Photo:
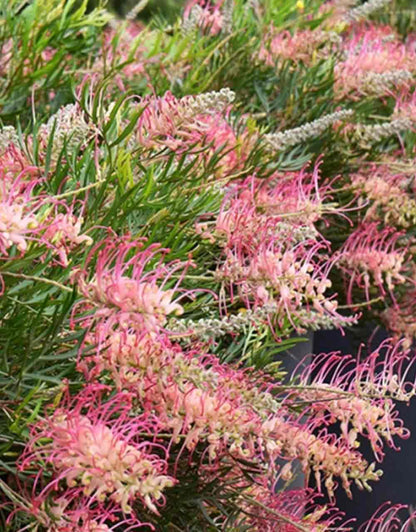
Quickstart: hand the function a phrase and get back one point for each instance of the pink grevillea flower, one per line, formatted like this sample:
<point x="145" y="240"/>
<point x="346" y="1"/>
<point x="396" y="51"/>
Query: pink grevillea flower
<point x="17" y="175"/>
<point x="375" y="419"/>
<point x="16" y="223"/>
<point x="13" y="161"/>
<point x="18" y="209"/>
<point x="400" y="320"/>
<point x="370" y="252"/>
<point x="360" y="394"/>
<point x="64" y="234"/>
<point x="295" y="196"/>
<point x="390" y="517"/>
<point x="241" y="224"/>
<point x="189" y="123"/>
<point x="260" y="214"/>
<point x="230" y="410"/>
<point x="272" y="251"/>
<point x="96" y="448"/>
<point x="261" y="210"/>
<point x="372" y="30"/>
<point x="373" y="65"/>
<point x="323" y="454"/>
<point x="27" y="215"/>
<point x="293" y="279"/>
<point x="305" y="46"/>
<point x="387" y="372"/>
<point x="388" y="192"/>
<point x="121" y="292"/>
<point x="208" y="16"/>
<point x="133" y="359"/>
<point x="285" y="511"/>
<point x="194" y="397"/>
<point x="370" y="255"/>
<point x="66" y="512"/>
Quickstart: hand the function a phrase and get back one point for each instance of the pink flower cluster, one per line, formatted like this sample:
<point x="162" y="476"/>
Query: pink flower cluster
<point x="375" y="62"/>
<point x="109" y="453"/>
<point x="121" y="292"/>
<point x="96" y="453"/>
<point x="207" y="16"/>
<point x="18" y="222"/>
<point x="233" y="411"/>
<point x="28" y="216"/>
<point x="272" y="251"/>
<point x="360" y="394"/>
<point x="371" y="258"/>
<point x="387" y="191"/>
<point x="306" y="46"/>
<point x="191" y="124"/>
<point x="109" y="449"/>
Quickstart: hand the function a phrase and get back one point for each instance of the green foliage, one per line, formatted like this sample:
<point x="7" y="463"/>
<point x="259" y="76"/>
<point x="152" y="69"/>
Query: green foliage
<point x="44" y="42"/>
